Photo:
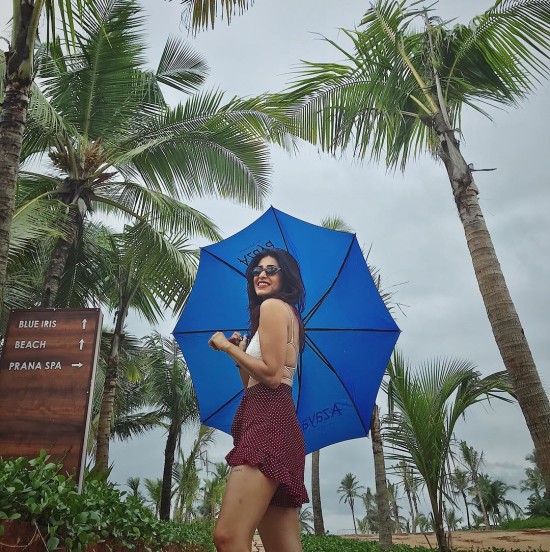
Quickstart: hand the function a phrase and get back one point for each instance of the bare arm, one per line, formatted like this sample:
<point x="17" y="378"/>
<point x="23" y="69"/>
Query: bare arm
<point x="273" y="334"/>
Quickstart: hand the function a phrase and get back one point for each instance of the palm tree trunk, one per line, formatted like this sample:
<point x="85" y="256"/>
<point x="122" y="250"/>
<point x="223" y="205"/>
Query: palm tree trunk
<point x="411" y="509"/>
<point x="59" y="258"/>
<point x="501" y="311"/>
<point x="482" y="504"/>
<point x="318" y="523"/>
<point x="415" y="505"/>
<point x="12" y="123"/>
<point x="166" y="492"/>
<point x="382" y="501"/>
<point x="108" y="400"/>
<point x="467" y="510"/>
<point x="439" y="529"/>
<point x="395" y="509"/>
<point x="13" y="116"/>
<point x="353" y="515"/>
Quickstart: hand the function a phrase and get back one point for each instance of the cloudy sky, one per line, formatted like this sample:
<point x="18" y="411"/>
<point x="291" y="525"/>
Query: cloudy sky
<point x="408" y="220"/>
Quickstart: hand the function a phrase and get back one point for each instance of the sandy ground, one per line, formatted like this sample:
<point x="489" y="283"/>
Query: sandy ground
<point x="532" y="539"/>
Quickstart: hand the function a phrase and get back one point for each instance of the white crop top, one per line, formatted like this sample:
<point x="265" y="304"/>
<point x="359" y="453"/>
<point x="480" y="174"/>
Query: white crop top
<point x="254" y="349"/>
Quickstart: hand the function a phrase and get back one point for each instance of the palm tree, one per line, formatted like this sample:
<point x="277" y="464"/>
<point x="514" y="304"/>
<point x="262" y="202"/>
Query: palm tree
<point x="173" y="396"/>
<point x="370" y="521"/>
<point x="410" y="484"/>
<point x="472" y="460"/>
<point x="381" y="482"/>
<point x="494" y="492"/>
<point x="460" y="483"/>
<point x="186" y="474"/>
<point x="318" y="522"/>
<point x="401" y="93"/>
<point x="114" y="145"/>
<point x="453" y="520"/>
<point x="533" y="479"/>
<point x="133" y="483"/>
<point x="131" y="414"/>
<point x="424" y="407"/>
<point x="214" y="489"/>
<point x="394" y="507"/>
<point x="150" y="274"/>
<point x="424" y="523"/>
<point x="16" y="91"/>
<point x="349" y="489"/>
<point x="385" y="534"/>
<point x="305" y="519"/>
<point x="332" y="223"/>
<point x="154" y="489"/>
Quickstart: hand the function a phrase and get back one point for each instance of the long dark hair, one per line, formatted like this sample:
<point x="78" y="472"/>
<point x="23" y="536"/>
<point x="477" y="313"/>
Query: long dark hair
<point x="292" y="290"/>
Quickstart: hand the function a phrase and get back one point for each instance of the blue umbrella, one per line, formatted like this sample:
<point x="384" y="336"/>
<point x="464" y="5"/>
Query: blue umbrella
<point x="350" y="334"/>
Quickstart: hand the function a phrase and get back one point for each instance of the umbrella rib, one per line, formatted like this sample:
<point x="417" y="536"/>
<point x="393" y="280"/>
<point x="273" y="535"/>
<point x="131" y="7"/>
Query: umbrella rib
<point x="244" y="329"/>
<point x="376" y="330"/>
<point x="280" y="227"/>
<point x="222" y="406"/>
<point x="223" y="262"/>
<point x="314" y="309"/>
<point x="324" y="359"/>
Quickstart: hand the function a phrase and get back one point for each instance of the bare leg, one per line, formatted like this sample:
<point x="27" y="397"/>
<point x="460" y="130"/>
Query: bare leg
<point x="280" y="530"/>
<point x="247" y="495"/>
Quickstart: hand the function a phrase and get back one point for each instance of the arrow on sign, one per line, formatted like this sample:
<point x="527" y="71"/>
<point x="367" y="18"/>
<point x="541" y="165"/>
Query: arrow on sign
<point x="84" y="324"/>
<point x="81" y="342"/>
<point x="77" y="365"/>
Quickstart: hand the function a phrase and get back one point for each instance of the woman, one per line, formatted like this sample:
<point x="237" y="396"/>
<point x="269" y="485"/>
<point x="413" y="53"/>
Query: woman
<point x="266" y="483"/>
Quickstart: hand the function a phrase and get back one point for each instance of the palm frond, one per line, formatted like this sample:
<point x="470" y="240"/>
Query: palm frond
<point x="171" y="389"/>
<point x="165" y="213"/>
<point x="381" y="102"/>
<point x="200" y="148"/>
<point x="92" y="87"/>
<point x="37" y="220"/>
<point x="424" y="406"/>
<point x="88" y="267"/>
<point x="514" y="37"/>
<point x="336" y="222"/>
<point x="201" y="14"/>
<point x="153" y="272"/>
<point x="180" y="67"/>
<point x="128" y="426"/>
<point x="44" y="125"/>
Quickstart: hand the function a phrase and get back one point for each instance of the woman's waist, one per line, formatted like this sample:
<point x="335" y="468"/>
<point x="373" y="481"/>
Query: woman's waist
<point x="257" y="387"/>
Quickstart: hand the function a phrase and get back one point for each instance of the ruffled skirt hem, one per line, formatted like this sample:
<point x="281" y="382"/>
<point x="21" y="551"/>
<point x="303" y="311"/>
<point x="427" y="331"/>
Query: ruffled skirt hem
<point x="293" y="493"/>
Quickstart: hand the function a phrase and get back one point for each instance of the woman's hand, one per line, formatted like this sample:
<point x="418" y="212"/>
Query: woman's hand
<point x="218" y="342"/>
<point x="239" y="340"/>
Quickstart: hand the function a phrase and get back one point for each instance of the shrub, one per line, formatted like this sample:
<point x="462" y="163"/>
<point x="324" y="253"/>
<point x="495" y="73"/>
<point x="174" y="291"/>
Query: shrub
<point x="539" y="508"/>
<point x="35" y="491"/>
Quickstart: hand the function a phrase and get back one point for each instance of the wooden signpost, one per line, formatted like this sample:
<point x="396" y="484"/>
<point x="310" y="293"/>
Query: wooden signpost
<point x="47" y="370"/>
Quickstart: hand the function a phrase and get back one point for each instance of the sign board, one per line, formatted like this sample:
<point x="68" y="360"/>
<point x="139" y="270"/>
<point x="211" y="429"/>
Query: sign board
<point x="47" y="371"/>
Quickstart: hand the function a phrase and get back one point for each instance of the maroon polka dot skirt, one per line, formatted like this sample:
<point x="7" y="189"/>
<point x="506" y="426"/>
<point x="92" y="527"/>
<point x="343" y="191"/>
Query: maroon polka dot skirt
<point x="266" y="434"/>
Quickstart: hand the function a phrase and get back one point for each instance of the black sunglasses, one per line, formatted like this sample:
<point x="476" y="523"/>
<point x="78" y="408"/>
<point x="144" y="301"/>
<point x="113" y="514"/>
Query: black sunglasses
<point x="269" y="270"/>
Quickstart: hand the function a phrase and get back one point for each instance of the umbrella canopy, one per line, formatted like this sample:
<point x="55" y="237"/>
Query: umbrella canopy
<point x="350" y="334"/>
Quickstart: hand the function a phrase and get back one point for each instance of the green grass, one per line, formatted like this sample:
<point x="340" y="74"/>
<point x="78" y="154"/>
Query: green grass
<point x="529" y="523"/>
<point x="331" y="543"/>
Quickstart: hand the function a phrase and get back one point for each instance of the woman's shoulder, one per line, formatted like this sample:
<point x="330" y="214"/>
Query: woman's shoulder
<point x="272" y="304"/>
